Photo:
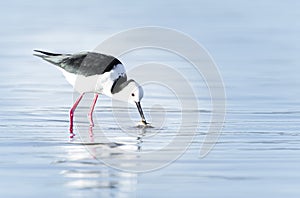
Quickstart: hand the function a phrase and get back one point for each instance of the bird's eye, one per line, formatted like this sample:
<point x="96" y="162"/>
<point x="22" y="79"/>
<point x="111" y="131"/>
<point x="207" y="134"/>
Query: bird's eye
<point x="132" y="94"/>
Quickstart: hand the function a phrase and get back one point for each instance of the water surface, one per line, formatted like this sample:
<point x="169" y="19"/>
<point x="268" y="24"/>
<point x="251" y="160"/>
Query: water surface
<point x="255" y="45"/>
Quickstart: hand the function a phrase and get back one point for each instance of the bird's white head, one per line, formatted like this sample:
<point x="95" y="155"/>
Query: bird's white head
<point x="136" y="92"/>
<point x="131" y="92"/>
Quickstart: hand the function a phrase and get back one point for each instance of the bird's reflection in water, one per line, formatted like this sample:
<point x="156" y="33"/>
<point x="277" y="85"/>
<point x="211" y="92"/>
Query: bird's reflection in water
<point x="105" y="182"/>
<point x="133" y="143"/>
<point x="88" y="169"/>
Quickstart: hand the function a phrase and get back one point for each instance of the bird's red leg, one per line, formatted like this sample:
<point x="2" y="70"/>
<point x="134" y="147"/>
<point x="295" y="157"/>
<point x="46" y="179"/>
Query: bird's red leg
<point x="72" y="110"/>
<point x="90" y="115"/>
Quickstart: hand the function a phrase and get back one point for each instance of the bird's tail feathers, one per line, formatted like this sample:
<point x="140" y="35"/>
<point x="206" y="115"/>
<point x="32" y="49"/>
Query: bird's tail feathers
<point x="50" y="57"/>
<point x="47" y="53"/>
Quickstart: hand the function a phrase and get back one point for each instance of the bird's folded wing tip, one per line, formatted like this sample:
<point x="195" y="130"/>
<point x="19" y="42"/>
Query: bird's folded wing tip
<point x="35" y="53"/>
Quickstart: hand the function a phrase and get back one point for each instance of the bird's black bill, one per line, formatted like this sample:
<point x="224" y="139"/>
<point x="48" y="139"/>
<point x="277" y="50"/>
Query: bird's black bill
<point x="138" y="104"/>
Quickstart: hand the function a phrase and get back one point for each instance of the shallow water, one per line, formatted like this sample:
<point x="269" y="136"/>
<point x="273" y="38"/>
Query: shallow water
<point x="255" y="44"/>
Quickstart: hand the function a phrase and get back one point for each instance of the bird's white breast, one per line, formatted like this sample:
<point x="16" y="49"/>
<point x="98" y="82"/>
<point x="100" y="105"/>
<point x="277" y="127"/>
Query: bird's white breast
<point x="96" y="83"/>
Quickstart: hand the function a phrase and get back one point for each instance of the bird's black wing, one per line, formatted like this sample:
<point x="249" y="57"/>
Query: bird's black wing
<point x="85" y="63"/>
<point x="89" y="63"/>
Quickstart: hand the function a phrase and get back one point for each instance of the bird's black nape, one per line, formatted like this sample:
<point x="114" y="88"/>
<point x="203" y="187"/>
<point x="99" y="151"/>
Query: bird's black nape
<point x="119" y="84"/>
